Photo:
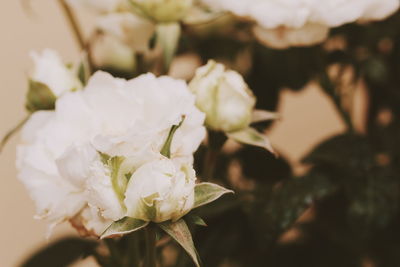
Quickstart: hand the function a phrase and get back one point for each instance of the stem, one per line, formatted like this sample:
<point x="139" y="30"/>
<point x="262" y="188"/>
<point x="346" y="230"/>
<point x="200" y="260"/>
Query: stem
<point x="73" y="24"/>
<point x="114" y="253"/>
<point x="133" y="250"/>
<point x="329" y="88"/>
<point x="216" y="141"/>
<point x="13" y="131"/>
<point x="150" y="260"/>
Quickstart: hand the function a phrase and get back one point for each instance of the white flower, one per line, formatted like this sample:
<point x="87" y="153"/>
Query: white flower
<point x="283" y="37"/>
<point x="160" y="190"/>
<point x="229" y="104"/>
<point x="130" y="29"/>
<point x="108" y="52"/>
<point x="293" y="15"/>
<point x="223" y="96"/>
<point x="164" y="10"/>
<point x="59" y="159"/>
<point x="102" y="6"/>
<point x="51" y="71"/>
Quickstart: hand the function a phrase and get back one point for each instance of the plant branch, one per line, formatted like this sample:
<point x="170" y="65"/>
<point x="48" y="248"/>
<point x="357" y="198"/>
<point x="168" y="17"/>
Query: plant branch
<point x="150" y="260"/>
<point x="13" y="131"/>
<point x="73" y="24"/>
<point x="329" y="88"/>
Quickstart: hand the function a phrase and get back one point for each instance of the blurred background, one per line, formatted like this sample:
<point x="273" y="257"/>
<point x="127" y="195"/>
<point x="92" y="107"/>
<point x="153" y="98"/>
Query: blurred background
<point x="308" y="117"/>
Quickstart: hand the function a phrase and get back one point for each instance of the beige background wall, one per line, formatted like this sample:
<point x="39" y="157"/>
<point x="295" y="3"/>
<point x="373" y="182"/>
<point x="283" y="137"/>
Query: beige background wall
<point x="307" y="117"/>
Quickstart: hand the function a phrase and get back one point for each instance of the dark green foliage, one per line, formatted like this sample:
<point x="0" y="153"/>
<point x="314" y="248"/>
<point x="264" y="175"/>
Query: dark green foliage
<point x="61" y="253"/>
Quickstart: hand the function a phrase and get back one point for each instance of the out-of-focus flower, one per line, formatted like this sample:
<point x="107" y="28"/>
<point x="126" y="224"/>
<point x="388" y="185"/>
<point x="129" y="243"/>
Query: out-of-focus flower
<point x="62" y="158"/>
<point x="283" y="37"/>
<point x="109" y="53"/>
<point x="134" y="31"/>
<point x="101" y="6"/>
<point x="293" y="16"/>
<point x="50" y="70"/>
<point x="163" y="10"/>
<point x="228" y="103"/>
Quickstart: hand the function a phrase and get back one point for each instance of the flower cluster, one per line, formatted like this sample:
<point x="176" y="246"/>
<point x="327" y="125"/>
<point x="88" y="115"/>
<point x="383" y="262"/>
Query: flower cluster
<point x="115" y="149"/>
<point x="282" y="23"/>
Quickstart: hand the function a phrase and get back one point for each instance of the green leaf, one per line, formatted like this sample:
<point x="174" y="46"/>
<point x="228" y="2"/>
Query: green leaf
<point x="168" y="35"/>
<point x="250" y="136"/>
<point x="124" y="226"/>
<point x="166" y="149"/>
<point x="263" y="115"/>
<point x="180" y="232"/>
<point x="205" y="193"/>
<point x="61" y="253"/>
<point x="39" y="97"/>
<point x="84" y="70"/>
<point x="194" y="219"/>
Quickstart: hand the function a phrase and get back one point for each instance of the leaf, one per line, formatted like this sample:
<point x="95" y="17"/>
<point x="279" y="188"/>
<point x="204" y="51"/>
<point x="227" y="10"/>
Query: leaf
<point x="39" y="97"/>
<point x="205" y="193"/>
<point x="61" y="253"/>
<point x="180" y="232"/>
<point x="263" y="115"/>
<point x="124" y="226"/>
<point x="166" y="149"/>
<point x="168" y="35"/>
<point x="250" y="136"/>
<point x="194" y="219"/>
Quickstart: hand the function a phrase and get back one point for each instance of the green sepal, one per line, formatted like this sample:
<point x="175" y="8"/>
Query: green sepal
<point x="180" y="232"/>
<point x="260" y="115"/>
<point x="39" y="97"/>
<point x="205" y="193"/>
<point x="166" y="149"/>
<point x="250" y="136"/>
<point x="194" y="219"/>
<point x="124" y="226"/>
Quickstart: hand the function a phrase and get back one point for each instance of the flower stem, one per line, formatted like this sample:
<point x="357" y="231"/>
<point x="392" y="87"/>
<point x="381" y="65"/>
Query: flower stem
<point x="329" y="88"/>
<point x="150" y="260"/>
<point x="216" y="141"/>
<point x="73" y="24"/>
<point x="14" y="130"/>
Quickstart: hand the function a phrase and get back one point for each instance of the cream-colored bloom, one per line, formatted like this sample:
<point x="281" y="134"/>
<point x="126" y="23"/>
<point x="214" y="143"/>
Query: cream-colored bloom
<point x="130" y="29"/>
<point x="160" y="190"/>
<point x="164" y="10"/>
<point x="283" y="37"/>
<point x="223" y="96"/>
<point x="108" y="52"/>
<point x="102" y="6"/>
<point x="50" y="70"/>
<point x="59" y="160"/>
<point x="312" y="15"/>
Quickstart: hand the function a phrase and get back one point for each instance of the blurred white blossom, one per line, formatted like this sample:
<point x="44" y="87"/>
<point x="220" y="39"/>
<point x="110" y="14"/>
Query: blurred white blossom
<point x="163" y="10"/>
<point x="50" y="70"/>
<point x="285" y="21"/>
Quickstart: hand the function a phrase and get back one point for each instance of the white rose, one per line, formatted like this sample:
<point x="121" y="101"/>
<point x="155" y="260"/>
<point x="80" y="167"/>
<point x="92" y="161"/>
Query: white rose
<point x="132" y="30"/>
<point x="160" y="190"/>
<point x="51" y="71"/>
<point x="294" y="15"/>
<point x="102" y="6"/>
<point x="163" y="10"/>
<point x="223" y="96"/>
<point x="284" y="37"/>
<point x="108" y="52"/>
<point x="59" y="159"/>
